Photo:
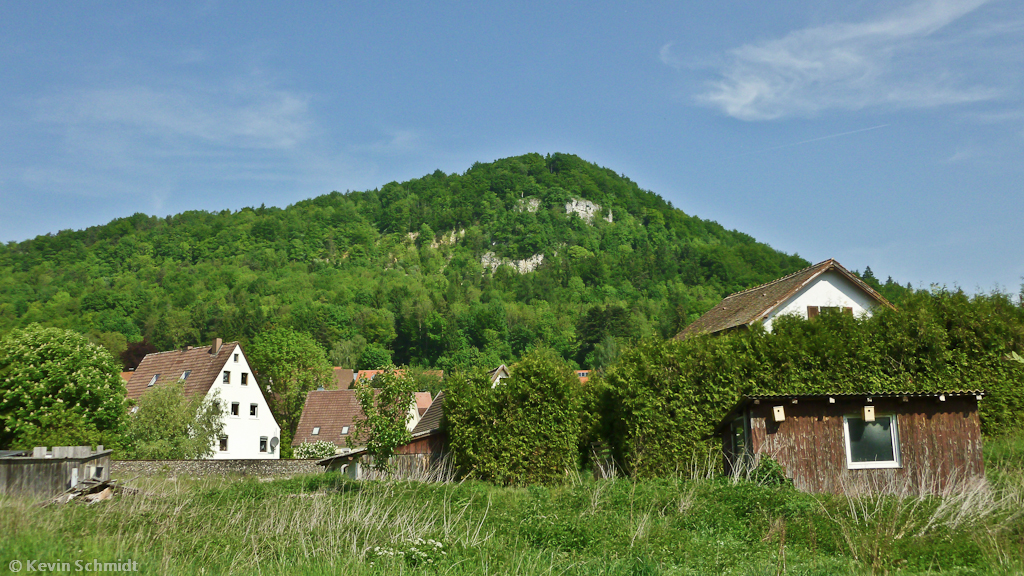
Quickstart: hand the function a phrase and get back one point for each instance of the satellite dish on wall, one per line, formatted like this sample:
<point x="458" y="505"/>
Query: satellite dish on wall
<point x="274" y="442"/>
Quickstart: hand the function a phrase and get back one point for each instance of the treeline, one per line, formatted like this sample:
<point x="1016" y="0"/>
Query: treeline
<point x="396" y="273"/>
<point x="654" y="406"/>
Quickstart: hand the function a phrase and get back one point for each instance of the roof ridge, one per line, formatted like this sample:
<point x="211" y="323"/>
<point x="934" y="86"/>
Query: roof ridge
<point x="777" y="280"/>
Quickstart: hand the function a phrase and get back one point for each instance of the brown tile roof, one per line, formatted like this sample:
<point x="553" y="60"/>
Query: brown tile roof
<point x="126" y="376"/>
<point x="343" y="378"/>
<point x="423" y="401"/>
<point x="205" y="369"/>
<point x="752" y="304"/>
<point x="331" y="411"/>
<point x="431" y="419"/>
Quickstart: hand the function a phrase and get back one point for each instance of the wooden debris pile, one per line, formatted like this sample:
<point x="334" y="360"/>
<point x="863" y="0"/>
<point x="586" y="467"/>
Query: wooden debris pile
<point x="91" y="492"/>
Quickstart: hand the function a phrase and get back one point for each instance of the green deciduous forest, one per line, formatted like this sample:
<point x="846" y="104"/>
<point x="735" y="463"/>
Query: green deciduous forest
<point x="423" y="271"/>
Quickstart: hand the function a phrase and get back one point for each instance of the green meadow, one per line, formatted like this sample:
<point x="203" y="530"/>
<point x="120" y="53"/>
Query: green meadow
<point x="327" y="524"/>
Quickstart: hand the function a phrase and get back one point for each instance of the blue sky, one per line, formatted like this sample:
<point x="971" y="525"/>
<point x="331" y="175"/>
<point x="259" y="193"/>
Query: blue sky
<point x="883" y="134"/>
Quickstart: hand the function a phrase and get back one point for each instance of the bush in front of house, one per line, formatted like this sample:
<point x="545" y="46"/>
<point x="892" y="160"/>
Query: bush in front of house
<point x="525" y="430"/>
<point x="315" y="450"/>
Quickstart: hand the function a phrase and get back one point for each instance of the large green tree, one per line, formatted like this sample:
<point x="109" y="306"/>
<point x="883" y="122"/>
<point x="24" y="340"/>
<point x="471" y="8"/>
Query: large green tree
<point x="168" y="425"/>
<point x="58" y="387"/>
<point x="289" y="364"/>
<point x="386" y="402"/>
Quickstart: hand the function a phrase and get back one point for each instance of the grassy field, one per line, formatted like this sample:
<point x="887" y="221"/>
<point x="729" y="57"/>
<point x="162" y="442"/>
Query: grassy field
<point x="324" y="524"/>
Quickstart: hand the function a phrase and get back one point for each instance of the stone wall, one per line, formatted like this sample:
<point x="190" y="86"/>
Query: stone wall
<point x="127" y="469"/>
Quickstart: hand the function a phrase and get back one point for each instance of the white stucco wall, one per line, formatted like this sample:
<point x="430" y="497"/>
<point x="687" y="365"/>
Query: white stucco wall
<point x="244" y="431"/>
<point x="829" y="289"/>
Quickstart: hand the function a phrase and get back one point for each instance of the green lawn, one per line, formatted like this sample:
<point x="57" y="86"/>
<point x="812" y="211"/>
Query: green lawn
<point x="325" y="524"/>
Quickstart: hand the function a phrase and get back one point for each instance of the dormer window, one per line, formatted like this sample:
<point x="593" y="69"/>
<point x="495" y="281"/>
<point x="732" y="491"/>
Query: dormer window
<point x="185" y="374"/>
<point x="153" y="380"/>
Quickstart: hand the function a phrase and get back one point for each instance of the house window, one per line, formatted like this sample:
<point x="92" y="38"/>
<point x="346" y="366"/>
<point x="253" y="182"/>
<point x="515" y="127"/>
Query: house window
<point x="815" y="311"/>
<point x="227" y="377"/>
<point x="263" y="443"/>
<point x="236" y="357"/>
<point x="245" y="378"/>
<point x="185" y="374"/>
<point x="872" y="444"/>
<point x="234" y="408"/>
<point x="253" y="410"/>
<point x="316" y="430"/>
<point x="223" y="443"/>
<point x="344" y="429"/>
<point x="153" y="380"/>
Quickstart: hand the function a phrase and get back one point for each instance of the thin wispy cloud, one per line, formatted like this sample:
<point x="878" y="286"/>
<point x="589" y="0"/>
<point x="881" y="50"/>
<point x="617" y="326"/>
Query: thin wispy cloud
<point x="239" y="116"/>
<point x="898" y="60"/>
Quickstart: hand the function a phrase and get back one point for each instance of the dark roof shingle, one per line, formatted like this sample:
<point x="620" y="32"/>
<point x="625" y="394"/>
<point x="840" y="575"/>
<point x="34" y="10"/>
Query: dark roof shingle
<point x="431" y="419"/>
<point x="204" y="369"/>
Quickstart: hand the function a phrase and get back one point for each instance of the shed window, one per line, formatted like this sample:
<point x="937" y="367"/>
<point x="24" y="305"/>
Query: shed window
<point x="872" y="444"/>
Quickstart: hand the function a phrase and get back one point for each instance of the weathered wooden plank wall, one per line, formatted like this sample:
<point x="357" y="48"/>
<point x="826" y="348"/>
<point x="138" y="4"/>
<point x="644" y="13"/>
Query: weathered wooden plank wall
<point x="940" y="444"/>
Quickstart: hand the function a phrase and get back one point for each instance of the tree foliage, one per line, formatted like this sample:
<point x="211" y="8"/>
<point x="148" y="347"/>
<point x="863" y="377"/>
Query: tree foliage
<point x="397" y="270"/>
<point x="525" y="430"/>
<point x="57" y="387"/>
<point x="168" y="425"/>
<point x="288" y="365"/>
<point x="385" y="401"/>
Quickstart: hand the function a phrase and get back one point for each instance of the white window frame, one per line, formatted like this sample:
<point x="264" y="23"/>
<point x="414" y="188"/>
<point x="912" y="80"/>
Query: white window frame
<point x="153" y="380"/>
<point x="344" y="430"/>
<point x="316" y="431"/>
<point x="236" y="410"/>
<point x="254" y="407"/>
<point x="894" y="436"/>
<point x="264" y="445"/>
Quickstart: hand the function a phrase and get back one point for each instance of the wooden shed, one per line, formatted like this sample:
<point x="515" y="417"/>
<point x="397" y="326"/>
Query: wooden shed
<point x="854" y="443"/>
<point x="48" y="472"/>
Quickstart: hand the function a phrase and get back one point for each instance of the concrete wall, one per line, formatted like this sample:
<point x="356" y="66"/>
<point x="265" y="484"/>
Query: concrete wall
<point x="127" y="469"/>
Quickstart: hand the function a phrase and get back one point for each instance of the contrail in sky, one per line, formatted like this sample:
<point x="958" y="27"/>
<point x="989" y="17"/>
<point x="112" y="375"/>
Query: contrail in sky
<point x="812" y="140"/>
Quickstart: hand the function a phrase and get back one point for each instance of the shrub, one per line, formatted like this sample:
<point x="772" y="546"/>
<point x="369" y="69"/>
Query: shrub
<point x="526" y="430"/>
<point x="315" y="450"/>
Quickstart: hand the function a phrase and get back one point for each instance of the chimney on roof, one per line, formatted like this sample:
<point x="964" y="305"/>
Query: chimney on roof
<point x="215" y="349"/>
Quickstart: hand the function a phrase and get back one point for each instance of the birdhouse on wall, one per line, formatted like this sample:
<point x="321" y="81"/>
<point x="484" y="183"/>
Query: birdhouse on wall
<point x="868" y="412"/>
<point x="778" y="413"/>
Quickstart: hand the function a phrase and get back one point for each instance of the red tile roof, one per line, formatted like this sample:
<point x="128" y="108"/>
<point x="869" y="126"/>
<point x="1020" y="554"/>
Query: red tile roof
<point x="423" y="401"/>
<point x="331" y="411"/>
<point x="753" y="304"/>
<point x="169" y="366"/>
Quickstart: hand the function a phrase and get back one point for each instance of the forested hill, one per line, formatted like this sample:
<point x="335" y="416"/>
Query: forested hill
<point x="441" y="270"/>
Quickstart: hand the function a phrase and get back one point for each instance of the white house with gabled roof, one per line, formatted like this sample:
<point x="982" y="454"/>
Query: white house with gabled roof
<point x="250" y="429"/>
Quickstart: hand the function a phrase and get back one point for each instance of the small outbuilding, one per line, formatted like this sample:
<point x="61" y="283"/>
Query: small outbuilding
<point x="853" y="443"/>
<point x="48" y="472"/>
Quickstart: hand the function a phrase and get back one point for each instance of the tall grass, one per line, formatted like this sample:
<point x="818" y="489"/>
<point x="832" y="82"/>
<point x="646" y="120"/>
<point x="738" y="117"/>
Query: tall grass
<point x="692" y="523"/>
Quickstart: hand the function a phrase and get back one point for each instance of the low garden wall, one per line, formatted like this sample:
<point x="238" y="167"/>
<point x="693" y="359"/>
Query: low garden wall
<point x="126" y="469"/>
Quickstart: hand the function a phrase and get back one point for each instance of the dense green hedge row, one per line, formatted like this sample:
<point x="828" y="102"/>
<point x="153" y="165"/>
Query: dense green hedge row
<point x="655" y="406"/>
